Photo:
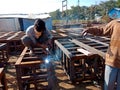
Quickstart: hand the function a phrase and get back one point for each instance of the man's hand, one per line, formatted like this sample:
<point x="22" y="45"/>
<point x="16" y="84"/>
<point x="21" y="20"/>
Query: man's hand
<point x="44" y="47"/>
<point x="84" y="32"/>
<point x="49" y="43"/>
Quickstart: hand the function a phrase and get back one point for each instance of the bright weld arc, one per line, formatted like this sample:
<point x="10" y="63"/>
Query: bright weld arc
<point x="47" y="60"/>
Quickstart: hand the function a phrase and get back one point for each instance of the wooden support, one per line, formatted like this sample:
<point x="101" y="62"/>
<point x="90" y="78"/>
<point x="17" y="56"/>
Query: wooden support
<point x="4" y="56"/>
<point x="66" y="49"/>
<point x="13" y="39"/>
<point x="74" y="62"/>
<point x="32" y="71"/>
<point x="91" y="49"/>
<point x="3" y="79"/>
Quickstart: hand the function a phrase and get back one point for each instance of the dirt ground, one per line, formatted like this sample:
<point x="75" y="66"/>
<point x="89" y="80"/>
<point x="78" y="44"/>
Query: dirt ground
<point x="63" y="83"/>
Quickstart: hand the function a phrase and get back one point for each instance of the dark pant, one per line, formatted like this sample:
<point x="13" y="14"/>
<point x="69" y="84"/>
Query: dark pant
<point x="26" y="40"/>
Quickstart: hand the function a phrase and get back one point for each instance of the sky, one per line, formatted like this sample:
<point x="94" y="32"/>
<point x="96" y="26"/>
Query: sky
<point x="39" y="6"/>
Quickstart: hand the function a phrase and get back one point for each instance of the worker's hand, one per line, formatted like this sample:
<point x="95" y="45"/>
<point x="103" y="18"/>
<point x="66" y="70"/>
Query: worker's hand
<point x="41" y="45"/>
<point x="49" y="43"/>
<point x="44" y="46"/>
<point x="46" y="51"/>
<point x="84" y="32"/>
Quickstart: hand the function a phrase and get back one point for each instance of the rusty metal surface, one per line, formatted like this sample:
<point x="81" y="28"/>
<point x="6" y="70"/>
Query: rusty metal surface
<point x="67" y="52"/>
<point x="77" y="65"/>
<point x="26" y="70"/>
<point x="93" y="44"/>
<point x="4" y="56"/>
<point x="74" y="62"/>
<point x="3" y="79"/>
<point x="33" y="71"/>
<point x="13" y="40"/>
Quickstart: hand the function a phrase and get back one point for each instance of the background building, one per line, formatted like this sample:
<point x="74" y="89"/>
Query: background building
<point x="21" y="22"/>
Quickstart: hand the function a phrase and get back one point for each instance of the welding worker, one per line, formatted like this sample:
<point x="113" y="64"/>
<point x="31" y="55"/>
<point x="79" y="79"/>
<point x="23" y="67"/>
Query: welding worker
<point x="112" y="59"/>
<point x="37" y="36"/>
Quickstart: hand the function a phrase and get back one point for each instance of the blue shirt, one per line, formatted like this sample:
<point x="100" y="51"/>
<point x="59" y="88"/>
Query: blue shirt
<point x="46" y="35"/>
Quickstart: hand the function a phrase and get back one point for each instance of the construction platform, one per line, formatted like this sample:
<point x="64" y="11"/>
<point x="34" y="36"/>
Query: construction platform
<point x="77" y="62"/>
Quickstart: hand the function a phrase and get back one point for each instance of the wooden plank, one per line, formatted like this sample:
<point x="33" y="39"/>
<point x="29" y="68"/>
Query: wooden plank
<point x="62" y="34"/>
<point x="21" y="56"/>
<point x="89" y="48"/>
<point x="32" y="62"/>
<point x="3" y="79"/>
<point x="63" y="49"/>
<point x="84" y="51"/>
<point x="12" y="36"/>
<point x="53" y="31"/>
<point x="6" y="34"/>
<point x="105" y="44"/>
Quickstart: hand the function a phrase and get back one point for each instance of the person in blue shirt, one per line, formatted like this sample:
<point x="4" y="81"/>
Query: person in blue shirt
<point x="37" y="36"/>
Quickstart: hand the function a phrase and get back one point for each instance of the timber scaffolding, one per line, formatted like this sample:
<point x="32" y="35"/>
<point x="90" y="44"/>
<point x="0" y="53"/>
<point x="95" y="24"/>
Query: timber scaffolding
<point x="82" y="58"/>
<point x="10" y="42"/>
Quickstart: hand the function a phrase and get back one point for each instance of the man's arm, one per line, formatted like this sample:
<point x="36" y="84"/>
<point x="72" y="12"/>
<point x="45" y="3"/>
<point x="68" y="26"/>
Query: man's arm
<point x="30" y="33"/>
<point x="100" y="31"/>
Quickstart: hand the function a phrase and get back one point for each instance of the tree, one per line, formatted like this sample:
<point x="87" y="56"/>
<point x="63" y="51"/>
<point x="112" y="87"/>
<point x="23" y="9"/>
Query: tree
<point x="56" y="15"/>
<point x="84" y="12"/>
<point x="118" y="3"/>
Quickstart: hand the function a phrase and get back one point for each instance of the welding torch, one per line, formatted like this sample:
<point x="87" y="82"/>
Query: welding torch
<point x="47" y="49"/>
<point x="47" y="60"/>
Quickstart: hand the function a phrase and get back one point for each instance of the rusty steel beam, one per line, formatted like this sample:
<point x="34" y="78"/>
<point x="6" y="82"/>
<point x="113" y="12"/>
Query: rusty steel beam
<point x="87" y="47"/>
<point x="33" y="70"/>
<point x="5" y="34"/>
<point x="70" y="57"/>
<point x="68" y="54"/>
<point x="98" y="44"/>
<point x="15" y="35"/>
<point x="24" y="67"/>
<point x="97" y="41"/>
<point x="3" y="79"/>
<point x="13" y="40"/>
<point x="4" y="56"/>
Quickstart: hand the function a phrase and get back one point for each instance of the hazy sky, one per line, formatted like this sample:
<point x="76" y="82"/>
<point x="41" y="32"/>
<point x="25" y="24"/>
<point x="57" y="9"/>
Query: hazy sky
<point x="39" y="6"/>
